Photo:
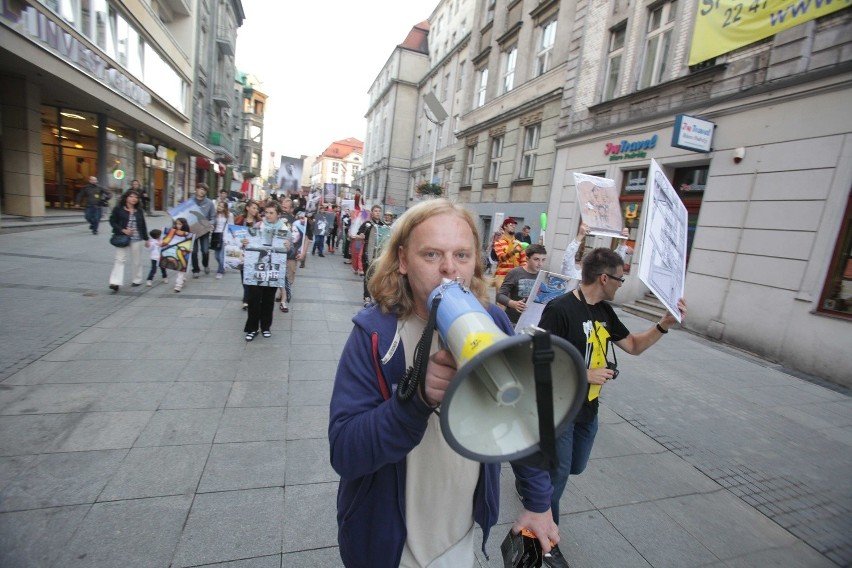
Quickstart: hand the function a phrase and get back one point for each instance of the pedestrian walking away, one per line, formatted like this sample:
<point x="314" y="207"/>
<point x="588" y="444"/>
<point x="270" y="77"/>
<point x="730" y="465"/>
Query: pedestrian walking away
<point x="128" y="219"/>
<point x="405" y="498"/>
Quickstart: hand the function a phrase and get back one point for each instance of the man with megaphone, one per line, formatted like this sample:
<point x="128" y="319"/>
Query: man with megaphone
<point x="585" y="318"/>
<point x="405" y="497"/>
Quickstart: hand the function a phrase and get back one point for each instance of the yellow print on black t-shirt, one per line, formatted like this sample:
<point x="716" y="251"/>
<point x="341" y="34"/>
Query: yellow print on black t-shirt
<point x="594" y="357"/>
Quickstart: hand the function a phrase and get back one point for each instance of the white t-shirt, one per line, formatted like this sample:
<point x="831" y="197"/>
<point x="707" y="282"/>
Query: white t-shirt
<point x="439" y="489"/>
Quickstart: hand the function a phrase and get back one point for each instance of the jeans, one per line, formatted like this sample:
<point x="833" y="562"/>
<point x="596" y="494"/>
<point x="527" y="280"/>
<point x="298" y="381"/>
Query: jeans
<point x="201" y="244"/>
<point x="220" y="258"/>
<point x="154" y="265"/>
<point x="319" y="244"/>
<point x="573" y="447"/>
<point x="93" y="216"/>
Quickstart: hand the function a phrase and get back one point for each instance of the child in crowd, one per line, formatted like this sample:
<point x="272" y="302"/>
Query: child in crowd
<point x="154" y="247"/>
<point x="181" y="225"/>
<point x="217" y="242"/>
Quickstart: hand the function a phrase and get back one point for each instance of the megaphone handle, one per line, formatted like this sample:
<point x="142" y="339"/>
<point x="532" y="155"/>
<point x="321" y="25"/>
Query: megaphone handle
<point x="415" y="376"/>
<point x="543" y="357"/>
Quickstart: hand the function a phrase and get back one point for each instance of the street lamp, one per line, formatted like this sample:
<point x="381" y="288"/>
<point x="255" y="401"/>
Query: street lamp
<point x="440" y="116"/>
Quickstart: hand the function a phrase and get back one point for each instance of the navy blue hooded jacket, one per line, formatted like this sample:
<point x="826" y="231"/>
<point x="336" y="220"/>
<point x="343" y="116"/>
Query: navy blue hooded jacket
<point x="370" y="435"/>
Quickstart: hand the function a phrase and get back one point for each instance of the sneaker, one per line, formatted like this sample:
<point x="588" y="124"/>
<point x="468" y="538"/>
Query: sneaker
<point x="554" y="559"/>
<point x="177" y="288"/>
<point x="149" y="283"/>
<point x="218" y="276"/>
<point x="206" y="270"/>
<point x="165" y="280"/>
<point x="250" y="335"/>
<point x="195" y="275"/>
<point x="267" y="334"/>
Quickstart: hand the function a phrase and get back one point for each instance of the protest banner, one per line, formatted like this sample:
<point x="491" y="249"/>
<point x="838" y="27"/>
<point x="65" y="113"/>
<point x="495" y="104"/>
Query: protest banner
<point x="662" y="264"/>
<point x="176" y="250"/>
<point x="233" y="243"/>
<point x="597" y="199"/>
<point x="189" y="210"/>
<point x="547" y="287"/>
<point x="265" y="259"/>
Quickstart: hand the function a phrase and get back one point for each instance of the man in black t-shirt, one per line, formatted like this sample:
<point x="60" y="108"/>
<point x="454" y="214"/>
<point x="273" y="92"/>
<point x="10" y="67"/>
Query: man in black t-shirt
<point x="585" y="318"/>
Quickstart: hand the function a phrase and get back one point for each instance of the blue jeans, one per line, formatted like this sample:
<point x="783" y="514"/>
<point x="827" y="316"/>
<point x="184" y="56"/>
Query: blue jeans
<point x="220" y="258"/>
<point x="573" y="447"/>
<point x="319" y="243"/>
<point x="202" y="246"/>
<point x="93" y="216"/>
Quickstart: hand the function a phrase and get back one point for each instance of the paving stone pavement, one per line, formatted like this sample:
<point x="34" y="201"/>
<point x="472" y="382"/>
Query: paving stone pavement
<point x="140" y="429"/>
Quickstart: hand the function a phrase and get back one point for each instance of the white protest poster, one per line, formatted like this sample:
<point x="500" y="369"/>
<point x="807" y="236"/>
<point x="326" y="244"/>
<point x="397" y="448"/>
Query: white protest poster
<point x="597" y="199"/>
<point x="662" y="265"/>
<point x="548" y="286"/>
<point x="233" y="243"/>
<point x="265" y="259"/>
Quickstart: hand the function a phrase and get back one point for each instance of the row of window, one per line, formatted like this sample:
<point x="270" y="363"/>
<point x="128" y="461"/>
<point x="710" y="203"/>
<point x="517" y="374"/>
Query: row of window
<point x="532" y="135"/>
<point x="543" y="62"/>
<point x="655" y="58"/>
<point x="105" y="27"/>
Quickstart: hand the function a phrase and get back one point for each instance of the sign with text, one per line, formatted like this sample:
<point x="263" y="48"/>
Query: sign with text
<point x="691" y="133"/>
<point x="722" y="26"/>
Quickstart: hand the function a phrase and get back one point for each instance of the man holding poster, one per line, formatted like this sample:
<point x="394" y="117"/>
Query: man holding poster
<point x="585" y="318"/>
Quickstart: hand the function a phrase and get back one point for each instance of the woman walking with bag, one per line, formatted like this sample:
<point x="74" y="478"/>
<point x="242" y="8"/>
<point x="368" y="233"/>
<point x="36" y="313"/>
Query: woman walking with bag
<point x="129" y="232"/>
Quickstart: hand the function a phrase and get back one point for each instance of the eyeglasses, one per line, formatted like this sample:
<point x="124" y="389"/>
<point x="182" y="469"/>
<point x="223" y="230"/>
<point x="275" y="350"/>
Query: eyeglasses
<point x="622" y="279"/>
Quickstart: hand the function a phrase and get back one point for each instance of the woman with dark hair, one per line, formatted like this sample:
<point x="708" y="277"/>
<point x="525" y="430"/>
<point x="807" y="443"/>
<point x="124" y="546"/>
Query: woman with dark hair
<point x="128" y="219"/>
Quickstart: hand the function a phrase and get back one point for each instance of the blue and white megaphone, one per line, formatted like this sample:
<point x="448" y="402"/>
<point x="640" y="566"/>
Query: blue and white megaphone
<point x="490" y="412"/>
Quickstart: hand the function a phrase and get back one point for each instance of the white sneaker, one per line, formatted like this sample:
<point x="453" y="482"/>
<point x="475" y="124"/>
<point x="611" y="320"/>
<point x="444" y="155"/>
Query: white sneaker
<point x="218" y="276"/>
<point x="165" y="280"/>
<point x="149" y="283"/>
<point x="177" y="288"/>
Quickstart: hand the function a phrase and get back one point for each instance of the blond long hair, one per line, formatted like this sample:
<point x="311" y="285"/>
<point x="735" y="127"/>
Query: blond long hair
<point x="390" y="289"/>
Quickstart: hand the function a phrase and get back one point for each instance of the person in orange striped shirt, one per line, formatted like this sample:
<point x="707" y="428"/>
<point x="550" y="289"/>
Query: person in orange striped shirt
<point x="510" y="253"/>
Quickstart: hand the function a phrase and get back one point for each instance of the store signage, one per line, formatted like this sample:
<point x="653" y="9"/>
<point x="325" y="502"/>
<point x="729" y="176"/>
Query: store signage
<point x="629" y="149"/>
<point x="691" y="133"/>
<point x="48" y="33"/>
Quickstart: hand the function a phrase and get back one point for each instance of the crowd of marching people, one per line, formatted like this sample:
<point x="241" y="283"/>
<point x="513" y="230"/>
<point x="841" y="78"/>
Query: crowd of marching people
<point x="201" y="226"/>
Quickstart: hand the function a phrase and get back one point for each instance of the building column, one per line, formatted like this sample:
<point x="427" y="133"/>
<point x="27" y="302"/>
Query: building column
<point x="23" y="166"/>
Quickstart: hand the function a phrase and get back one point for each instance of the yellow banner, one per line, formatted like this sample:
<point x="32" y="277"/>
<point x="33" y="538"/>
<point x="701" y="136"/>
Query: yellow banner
<point x="725" y="25"/>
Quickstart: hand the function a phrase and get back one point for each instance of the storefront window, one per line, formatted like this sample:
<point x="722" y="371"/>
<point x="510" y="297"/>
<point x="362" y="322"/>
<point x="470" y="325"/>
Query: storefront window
<point x="634" y="181"/>
<point x="121" y="156"/>
<point x="69" y="146"/>
<point x="837" y="295"/>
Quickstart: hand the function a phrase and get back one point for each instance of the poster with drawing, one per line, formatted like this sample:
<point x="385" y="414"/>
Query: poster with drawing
<point x="662" y="264"/>
<point x="176" y="250"/>
<point x="597" y="199"/>
<point x="233" y="243"/>
<point x="548" y="286"/>
<point x="265" y="259"/>
<point x="189" y="210"/>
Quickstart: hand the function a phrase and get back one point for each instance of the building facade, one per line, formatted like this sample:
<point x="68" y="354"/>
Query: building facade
<point x="95" y="89"/>
<point x="551" y="87"/>
<point x="336" y="169"/>
<point x="394" y="102"/>
<point x="251" y="138"/>
<point x="217" y="93"/>
<point x="768" y="207"/>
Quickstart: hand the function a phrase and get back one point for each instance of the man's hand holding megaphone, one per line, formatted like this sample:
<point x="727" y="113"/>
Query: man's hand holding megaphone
<point x="439" y="374"/>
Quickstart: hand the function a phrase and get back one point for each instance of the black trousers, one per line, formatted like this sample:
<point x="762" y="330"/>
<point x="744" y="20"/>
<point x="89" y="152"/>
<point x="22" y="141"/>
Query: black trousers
<point x="261" y="306"/>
